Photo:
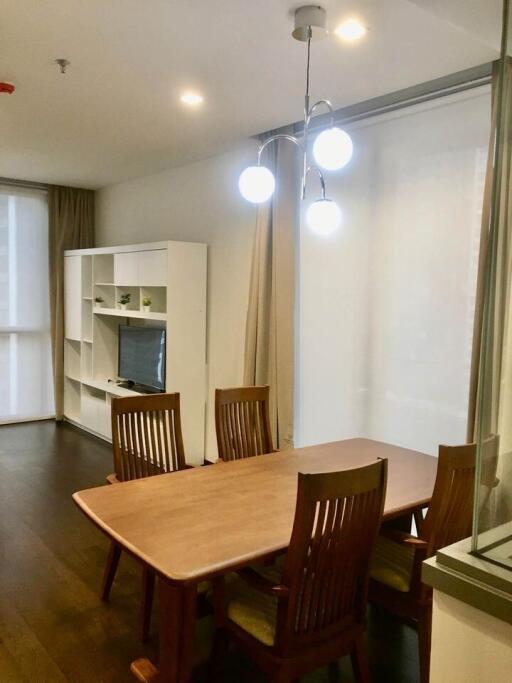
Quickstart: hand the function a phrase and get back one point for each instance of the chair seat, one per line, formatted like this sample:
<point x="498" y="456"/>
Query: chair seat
<point x="252" y="610"/>
<point x="392" y="564"/>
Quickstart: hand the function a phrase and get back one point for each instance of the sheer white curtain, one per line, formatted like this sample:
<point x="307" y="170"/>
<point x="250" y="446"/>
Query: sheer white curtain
<point x="386" y="306"/>
<point x="26" y="380"/>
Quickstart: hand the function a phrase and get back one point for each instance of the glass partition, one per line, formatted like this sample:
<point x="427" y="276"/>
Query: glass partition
<point x="492" y="531"/>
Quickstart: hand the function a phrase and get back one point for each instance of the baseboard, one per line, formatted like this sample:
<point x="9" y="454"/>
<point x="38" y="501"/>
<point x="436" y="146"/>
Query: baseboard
<point x="82" y="427"/>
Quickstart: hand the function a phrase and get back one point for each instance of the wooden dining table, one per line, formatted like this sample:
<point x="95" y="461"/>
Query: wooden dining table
<point x="196" y="524"/>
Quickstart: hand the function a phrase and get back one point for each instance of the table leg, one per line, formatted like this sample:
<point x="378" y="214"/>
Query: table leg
<point x="178" y="605"/>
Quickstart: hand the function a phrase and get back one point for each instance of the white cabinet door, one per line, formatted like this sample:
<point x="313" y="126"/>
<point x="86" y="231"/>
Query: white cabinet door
<point x="73" y="297"/>
<point x="89" y="412"/>
<point x="104" y="421"/>
<point x="126" y="269"/>
<point x="153" y="268"/>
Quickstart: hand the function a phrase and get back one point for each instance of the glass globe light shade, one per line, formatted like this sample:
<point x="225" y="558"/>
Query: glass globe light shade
<point x="333" y="149"/>
<point x="323" y="217"/>
<point x="256" y="184"/>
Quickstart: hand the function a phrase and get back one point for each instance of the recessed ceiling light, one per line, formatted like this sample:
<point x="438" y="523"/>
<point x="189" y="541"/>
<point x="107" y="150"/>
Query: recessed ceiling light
<point x="193" y="99"/>
<point x="351" y="30"/>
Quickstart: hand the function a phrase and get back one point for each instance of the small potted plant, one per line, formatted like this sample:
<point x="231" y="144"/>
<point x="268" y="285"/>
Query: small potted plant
<point x="124" y="300"/>
<point x="98" y="301"/>
<point x="146" y="304"/>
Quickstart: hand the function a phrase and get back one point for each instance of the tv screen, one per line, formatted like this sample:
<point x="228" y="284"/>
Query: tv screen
<point x="142" y="355"/>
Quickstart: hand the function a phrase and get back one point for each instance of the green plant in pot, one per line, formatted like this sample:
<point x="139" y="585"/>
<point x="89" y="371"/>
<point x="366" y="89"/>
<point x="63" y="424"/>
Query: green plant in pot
<point x="124" y="300"/>
<point x="146" y="304"/>
<point x="99" y="301"/>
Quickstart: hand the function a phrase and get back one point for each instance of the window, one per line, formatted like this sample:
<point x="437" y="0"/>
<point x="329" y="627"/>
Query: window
<point x="26" y="379"/>
<point x="387" y="304"/>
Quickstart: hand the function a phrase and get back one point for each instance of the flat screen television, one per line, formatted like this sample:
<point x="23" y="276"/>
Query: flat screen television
<point x="142" y="357"/>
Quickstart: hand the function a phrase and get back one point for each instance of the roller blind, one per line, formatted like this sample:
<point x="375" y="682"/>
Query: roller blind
<point x="387" y="304"/>
<point x="26" y="384"/>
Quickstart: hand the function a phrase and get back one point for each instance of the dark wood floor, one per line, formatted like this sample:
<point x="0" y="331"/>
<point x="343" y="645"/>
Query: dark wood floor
<point x="53" y="627"/>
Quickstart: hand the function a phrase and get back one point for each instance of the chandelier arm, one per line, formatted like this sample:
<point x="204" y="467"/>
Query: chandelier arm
<point x="320" y="176"/>
<point x="279" y="136"/>
<point x="327" y="104"/>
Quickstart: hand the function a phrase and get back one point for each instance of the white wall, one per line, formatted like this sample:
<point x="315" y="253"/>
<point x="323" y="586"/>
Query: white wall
<point x="468" y="646"/>
<point x="198" y="202"/>
<point x="386" y="311"/>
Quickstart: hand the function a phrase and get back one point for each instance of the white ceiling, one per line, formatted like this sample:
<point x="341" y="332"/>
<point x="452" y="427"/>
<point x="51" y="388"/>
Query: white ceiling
<point x="116" y="113"/>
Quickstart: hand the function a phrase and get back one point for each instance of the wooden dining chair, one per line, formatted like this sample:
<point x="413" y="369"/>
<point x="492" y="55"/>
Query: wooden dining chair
<point x="242" y="422"/>
<point x="146" y="441"/>
<point x="395" y="575"/>
<point x="310" y="610"/>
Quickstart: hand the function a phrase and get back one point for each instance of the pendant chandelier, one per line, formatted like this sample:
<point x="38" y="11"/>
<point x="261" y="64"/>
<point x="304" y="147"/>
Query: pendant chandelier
<point x="332" y="148"/>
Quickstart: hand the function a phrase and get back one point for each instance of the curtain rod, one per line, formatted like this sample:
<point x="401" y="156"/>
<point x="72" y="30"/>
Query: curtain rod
<point x="460" y="81"/>
<point x="29" y="184"/>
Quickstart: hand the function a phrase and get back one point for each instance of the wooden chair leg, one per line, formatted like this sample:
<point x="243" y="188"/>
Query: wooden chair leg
<point x="359" y="659"/>
<point x="110" y="570"/>
<point x="148" y="591"/>
<point x="218" y="656"/>
<point x="424" y="639"/>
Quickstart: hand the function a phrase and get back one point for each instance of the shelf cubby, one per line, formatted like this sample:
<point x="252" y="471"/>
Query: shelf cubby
<point x="72" y="358"/>
<point x="134" y="293"/>
<point x="87" y="320"/>
<point x="86" y="277"/>
<point x="107" y="293"/>
<point x="158" y="296"/>
<point x="103" y="268"/>
<point x="86" y="361"/>
<point x="72" y="403"/>
<point x="105" y="347"/>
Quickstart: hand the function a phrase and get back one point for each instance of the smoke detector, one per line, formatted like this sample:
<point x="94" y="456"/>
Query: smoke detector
<point x="63" y="64"/>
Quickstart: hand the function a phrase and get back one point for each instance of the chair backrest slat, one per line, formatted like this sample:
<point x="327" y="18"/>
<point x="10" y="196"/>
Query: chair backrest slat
<point x="242" y="422"/>
<point x="146" y="435"/>
<point x="450" y="512"/>
<point x="326" y="570"/>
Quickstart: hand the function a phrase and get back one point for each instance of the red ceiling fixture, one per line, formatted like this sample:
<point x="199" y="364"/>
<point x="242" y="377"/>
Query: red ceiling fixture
<point x="9" y="88"/>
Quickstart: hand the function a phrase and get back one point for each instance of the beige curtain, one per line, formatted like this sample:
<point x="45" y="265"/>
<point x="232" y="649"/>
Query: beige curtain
<point x="482" y="259"/>
<point x="71" y="226"/>
<point x="492" y="295"/>
<point x="270" y="327"/>
<point x="490" y="410"/>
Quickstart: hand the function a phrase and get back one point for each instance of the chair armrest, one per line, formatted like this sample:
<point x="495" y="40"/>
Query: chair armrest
<point x="260" y="583"/>
<point x="404" y="538"/>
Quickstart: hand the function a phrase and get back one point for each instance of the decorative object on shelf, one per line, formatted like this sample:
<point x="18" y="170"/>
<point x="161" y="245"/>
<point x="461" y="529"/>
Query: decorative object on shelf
<point x="99" y="301"/>
<point x="124" y="300"/>
<point x="146" y="304"/>
<point x="332" y="148"/>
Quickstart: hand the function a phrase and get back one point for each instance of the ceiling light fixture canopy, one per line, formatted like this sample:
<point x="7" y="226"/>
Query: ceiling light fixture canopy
<point x="332" y="148"/>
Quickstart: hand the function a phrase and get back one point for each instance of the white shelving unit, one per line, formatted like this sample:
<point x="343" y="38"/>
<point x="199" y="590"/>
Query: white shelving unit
<point x="173" y="276"/>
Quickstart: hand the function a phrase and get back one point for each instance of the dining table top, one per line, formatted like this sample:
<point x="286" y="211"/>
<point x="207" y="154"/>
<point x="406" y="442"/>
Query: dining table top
<point x="199" y="522"/>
